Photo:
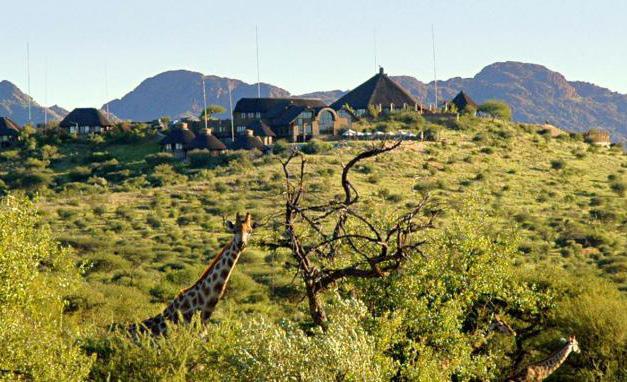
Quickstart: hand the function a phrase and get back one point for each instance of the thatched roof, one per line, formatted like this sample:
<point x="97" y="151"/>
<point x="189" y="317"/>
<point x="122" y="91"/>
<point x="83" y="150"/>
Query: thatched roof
<point x="8" y="127"/>
<point x="248" y="141"/>
<point x="179" y="134"/>
<point x="85" y="117"/>
<point x="261" y="129"/>
<point x="206" y="140"/>
<point x="462" y="100"/>
<point x="378" y="90"/>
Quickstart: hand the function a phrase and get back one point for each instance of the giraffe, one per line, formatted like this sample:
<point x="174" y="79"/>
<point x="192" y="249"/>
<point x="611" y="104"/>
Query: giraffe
<point x="538" y="371"/>
<point x="501" y="326"/>
<point x="203" y="296"/>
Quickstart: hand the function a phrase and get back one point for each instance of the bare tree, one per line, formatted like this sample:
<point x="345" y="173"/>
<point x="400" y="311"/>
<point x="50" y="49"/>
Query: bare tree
<point x="343" y="231"/>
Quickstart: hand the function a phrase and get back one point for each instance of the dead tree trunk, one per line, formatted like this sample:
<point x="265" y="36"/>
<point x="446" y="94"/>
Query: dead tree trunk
<point x="316" y="234"/>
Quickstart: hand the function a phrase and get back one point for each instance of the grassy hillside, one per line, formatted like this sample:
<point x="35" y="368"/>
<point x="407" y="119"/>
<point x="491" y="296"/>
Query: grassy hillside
<point x="143" y="231"/>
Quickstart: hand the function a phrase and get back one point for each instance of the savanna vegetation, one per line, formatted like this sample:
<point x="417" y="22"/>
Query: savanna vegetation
<point x="105" y="230"/>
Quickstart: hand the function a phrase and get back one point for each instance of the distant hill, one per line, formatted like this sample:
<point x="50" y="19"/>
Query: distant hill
<point x="535" y="93"/>
<point x="179" y="92"/>
<point x="14" y="104"/>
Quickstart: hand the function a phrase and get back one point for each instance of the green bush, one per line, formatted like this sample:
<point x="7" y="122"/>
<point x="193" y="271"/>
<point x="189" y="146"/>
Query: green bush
<point x="165" y="174"/>
<point x="250" y="350"/>
<point x="201" y="158"/>
<point x="315" y="146"/>
<point x="280" y="147"/>
<point x="618" y="187"/>
<point x="496" y="109"/>
<point x="156" y="159"/>
<point x="35" y="273"/>
<point x="79" y="174"/>
<point x="434" y="301"/>
<point x="558" y="164"/>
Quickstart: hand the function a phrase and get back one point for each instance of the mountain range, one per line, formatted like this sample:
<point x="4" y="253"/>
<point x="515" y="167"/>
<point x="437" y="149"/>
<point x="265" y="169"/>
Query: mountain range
<point x="535" y="93"/>
<point x="14" y="104"/>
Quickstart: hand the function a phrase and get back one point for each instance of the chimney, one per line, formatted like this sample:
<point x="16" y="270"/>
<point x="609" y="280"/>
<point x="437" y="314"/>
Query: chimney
<point x="249" y="133"/>
<point x="380" y="69"/>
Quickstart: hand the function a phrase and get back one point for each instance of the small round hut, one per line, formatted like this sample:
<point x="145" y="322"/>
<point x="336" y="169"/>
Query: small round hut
<point x="205" y="140"/>
<point x="178" y="141"/>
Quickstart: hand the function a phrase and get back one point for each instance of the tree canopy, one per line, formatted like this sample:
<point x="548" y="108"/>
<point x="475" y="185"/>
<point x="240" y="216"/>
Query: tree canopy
<point x="496" y="109"/>
<point x="211" y="110"/>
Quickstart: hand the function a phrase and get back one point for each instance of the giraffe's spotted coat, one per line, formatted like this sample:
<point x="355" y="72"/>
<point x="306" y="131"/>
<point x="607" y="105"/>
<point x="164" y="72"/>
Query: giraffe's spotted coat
<point x="204" y="295"/>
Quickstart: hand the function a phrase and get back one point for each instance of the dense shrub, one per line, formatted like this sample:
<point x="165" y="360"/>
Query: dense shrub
<point x="165" y="174"/>
<point x="201" y="158"/>
<point x="618" y="187"/>
<point x="280" y="147"/>
<point x="156" y="159"/>
<point x="35" y="273"/>
<point x="558" y="164"/>
<point x="435" y="297"/>
<point x="496" y="109"/>
<point x="79" y="174"/>
<point x="315" y="146"/>
<point x="251" y="350"/>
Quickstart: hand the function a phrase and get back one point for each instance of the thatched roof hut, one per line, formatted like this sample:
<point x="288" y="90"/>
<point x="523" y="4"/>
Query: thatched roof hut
<point x="379" y="90"/>
<point x="463" y="100"/>
<point x="207" y="141"/>
<point x="179" y="135"/>
<point x="248" y="141"/>
<point x="81" y="117"/>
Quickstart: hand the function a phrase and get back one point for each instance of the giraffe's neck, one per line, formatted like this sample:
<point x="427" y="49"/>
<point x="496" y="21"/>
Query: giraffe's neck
<point x="553" y="362"/>
<point x="203" y="296"/>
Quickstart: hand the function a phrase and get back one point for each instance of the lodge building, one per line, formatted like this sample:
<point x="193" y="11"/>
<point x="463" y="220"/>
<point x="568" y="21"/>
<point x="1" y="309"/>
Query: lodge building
<point x="84" y="121"/>
<point x="294" y="119"/>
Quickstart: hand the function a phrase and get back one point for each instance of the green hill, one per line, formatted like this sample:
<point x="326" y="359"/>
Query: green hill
<point x="144" y="229"/>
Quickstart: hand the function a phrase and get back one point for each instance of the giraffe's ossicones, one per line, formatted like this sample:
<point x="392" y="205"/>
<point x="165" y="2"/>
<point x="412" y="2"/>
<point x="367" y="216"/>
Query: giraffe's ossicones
<point x="203" y="295"/>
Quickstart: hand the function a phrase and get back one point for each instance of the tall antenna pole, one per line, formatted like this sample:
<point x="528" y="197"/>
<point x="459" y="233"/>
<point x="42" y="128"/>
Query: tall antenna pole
<point x="46" y="92"/>
<point x="374" y="36"/>
<point x="435" y="76"/>
<point x="204" y="99"/>
<point x="28" y="81"/>
<point x="231" y="112"/>
<point x="257" y="45"/>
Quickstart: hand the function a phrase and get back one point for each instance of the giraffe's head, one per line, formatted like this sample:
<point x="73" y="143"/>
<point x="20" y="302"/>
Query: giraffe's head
<point x="242" y="228"/>
<point x="574" y="344"/>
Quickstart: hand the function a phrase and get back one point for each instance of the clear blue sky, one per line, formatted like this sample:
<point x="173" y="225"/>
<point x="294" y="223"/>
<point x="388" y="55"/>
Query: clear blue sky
<point x="305" y="45"/>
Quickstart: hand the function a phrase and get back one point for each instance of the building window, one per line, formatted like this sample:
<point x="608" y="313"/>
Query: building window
<point x="178" y="146"/>
<point x="168" y="147"/>
<point x="241" y="128"/>
<point x="251" y="115"/>
<point x="326" y="122"/>
<point x="257" y="115"/>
